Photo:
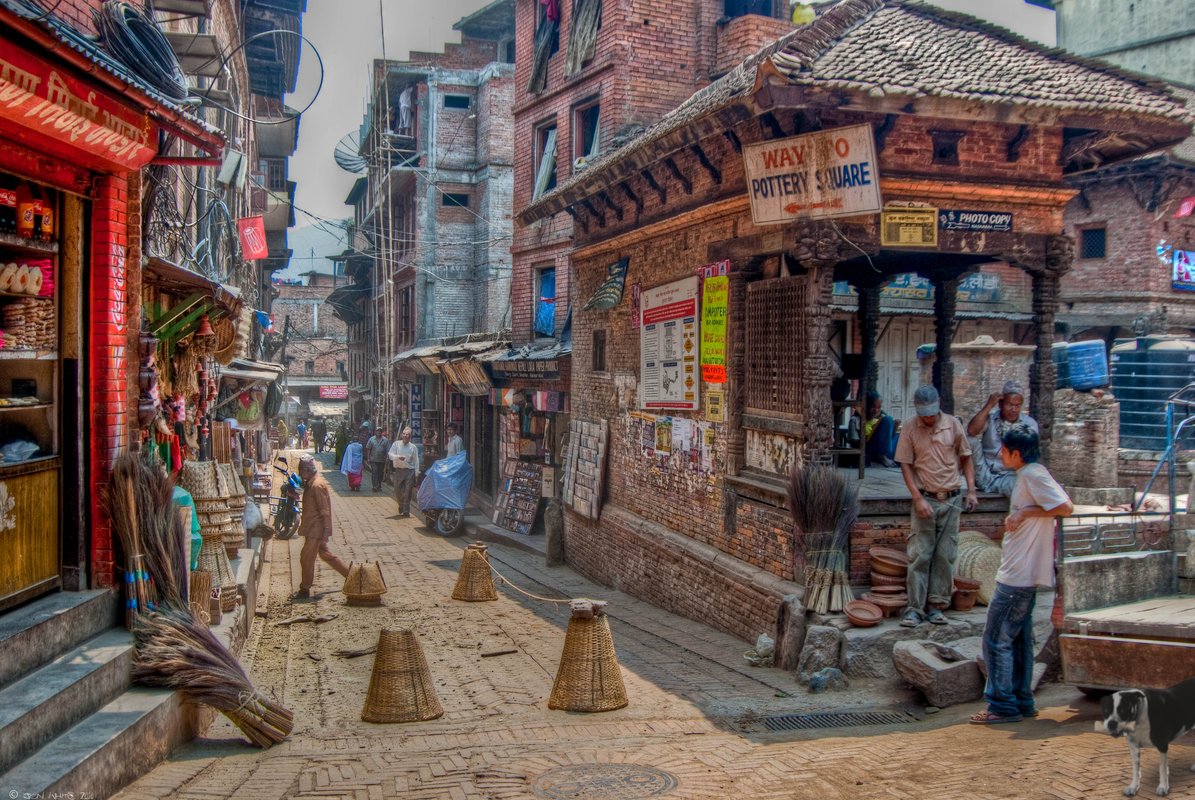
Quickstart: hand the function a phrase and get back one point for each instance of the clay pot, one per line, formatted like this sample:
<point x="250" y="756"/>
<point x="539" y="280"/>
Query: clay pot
<point x="862" y="613"/>
<point x="964" y="600"/>
<point x="888" y="590"/>
<point x="879" y="579"/>
<point x="966" y="584"/>
<point x="887" y="561"/>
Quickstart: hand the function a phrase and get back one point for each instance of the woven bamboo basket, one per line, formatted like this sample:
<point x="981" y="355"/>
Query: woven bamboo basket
<point x="199" y="478"/>
<point x="364" y="585"/>
<point x="234" y="540"/>
<point x="981" y="563"/>
<point x="475" y="583"/>
<point x="975" y="537"/>
<point x="200" y="594"/>
<point x="588" y="678"/>
<point x="229" y="481"/>
<point x="400" y="687"/>
<point x="214" y="559"/>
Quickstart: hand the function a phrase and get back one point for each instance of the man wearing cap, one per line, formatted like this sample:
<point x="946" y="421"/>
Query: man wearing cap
<point x="934" y="456"/>
<point x="376" y="450"/>
<point x="1002" y="412"/>
<point x="315" y="527"/>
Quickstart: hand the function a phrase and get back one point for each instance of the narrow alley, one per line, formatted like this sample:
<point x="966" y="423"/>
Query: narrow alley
<point x="692" y="729"/>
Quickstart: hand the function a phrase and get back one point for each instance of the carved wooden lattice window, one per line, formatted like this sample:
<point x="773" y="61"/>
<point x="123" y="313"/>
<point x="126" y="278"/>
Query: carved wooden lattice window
<point x="775" y="362"/>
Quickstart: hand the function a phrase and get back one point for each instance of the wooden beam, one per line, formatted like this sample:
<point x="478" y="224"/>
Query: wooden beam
<point x="715" y="173"/>
<point x="176" y="312"/>
<point x="651" y="181"/>
<point x="580" y="220"/>
<point x="685" y="183"/>
<point x="634" y="198"/>
<point x="733" y="138"/>
<point x="770" y="125"/>
<point x="601" y="218"/>
<point x="608" y="203"/>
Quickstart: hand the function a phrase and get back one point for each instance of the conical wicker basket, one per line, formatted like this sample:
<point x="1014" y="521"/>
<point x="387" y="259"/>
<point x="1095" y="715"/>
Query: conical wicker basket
<point x="588" y="678"/>
<point x="199" y="478"/>
<point x="980" y="562"/>
<point x="975" y="537"/>
<point x="229" y="482"/>
<point x="214" y="559"/>
<point x="400" y="687"/>
<point x="364" y="585"/>
<point x="475" y="583"/>
<point x="199" y="595"/>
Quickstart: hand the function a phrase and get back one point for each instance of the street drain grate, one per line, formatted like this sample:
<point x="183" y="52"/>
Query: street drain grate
<point x="604" y="782"/>
<point x="834" y="719"/>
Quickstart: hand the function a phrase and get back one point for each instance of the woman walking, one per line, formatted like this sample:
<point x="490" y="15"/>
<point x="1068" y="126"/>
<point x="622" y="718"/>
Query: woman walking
<point x="350" y="466"/>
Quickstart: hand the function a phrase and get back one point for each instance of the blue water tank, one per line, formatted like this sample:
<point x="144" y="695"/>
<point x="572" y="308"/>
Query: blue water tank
<point x="1087" y="365"/>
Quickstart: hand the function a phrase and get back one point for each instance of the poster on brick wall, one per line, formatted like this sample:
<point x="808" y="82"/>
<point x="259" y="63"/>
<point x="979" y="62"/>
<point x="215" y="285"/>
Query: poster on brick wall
<point x="669" y="343"/>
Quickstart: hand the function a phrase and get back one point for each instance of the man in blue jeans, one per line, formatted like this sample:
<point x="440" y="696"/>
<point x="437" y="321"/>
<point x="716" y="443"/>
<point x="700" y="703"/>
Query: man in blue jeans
<point x="1028" y="562"/>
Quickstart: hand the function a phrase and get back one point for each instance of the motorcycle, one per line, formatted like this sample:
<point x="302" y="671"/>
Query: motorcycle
<point x="287" y="506"/>
<point x="444" y="493"/>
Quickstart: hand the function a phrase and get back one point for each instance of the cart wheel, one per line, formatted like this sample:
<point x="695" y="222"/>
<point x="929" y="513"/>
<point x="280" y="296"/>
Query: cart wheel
<point x="449" y="520"/>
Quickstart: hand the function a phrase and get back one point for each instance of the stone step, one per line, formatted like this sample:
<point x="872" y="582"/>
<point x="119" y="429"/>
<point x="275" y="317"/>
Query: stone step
<point x="40" y="706"/>
<point x="108" y="750"/>
<point x="44" y="629"/>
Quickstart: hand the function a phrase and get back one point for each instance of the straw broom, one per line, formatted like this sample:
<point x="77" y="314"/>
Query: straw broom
<point x="172" y="649"/>
<point x="824" y="506"/>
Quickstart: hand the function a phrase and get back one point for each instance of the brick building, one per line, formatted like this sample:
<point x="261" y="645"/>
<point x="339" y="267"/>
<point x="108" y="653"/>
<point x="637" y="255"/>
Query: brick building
<point x="434" y="213"/>
<point x="704" y="532"/>
<point x="316" y="346"/>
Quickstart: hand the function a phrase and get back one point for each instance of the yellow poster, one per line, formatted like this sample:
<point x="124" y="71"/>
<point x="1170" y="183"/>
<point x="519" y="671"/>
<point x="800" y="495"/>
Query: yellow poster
<point x="715" y="296"/>
<point x="714" y="408"/>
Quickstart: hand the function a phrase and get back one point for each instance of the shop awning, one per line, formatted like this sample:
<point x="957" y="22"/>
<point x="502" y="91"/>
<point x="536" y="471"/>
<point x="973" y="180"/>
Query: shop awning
<point x="528" y="361"/>
<point x="185" y="297"/>
<point x="329" y="408"/>
<point x="249" y="370"/>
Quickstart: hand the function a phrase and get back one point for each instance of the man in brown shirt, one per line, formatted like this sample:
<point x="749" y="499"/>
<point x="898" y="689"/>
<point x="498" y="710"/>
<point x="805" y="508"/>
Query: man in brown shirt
<point x="934" y="455"/>
<point x="315" y="527"/>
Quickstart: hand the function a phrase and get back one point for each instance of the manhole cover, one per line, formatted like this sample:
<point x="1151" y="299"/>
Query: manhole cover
<point x="604" y="782"/>
<point x="829" y="719"/>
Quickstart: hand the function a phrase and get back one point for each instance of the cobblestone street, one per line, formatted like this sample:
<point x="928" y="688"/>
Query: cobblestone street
<point x="694" y="718"/>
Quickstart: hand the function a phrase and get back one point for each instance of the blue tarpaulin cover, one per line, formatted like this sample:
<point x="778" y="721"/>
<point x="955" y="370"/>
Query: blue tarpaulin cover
<point x="447" y="483"/>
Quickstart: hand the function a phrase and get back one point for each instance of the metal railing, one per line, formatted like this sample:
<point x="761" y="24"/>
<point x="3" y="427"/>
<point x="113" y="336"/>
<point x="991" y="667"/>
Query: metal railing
<point x="1114" y="532"/>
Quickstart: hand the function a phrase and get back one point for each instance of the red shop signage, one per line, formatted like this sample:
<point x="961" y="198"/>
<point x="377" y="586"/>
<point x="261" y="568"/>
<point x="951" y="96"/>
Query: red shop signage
<point x="333" y="393"/>
<point x="66" y="115"/>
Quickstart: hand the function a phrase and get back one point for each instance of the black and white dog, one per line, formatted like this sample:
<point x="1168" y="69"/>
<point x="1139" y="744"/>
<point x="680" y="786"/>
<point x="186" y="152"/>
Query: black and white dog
<point x="1150" y="718"/>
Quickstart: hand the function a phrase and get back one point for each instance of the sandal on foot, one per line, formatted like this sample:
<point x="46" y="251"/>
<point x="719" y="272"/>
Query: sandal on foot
<point x="912" y="619"/>
<point x="936" y="617"/>
<point x="988" y="718"/>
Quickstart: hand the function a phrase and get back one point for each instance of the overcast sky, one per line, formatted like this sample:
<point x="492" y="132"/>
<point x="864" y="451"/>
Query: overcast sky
<point x="347" y="34"/>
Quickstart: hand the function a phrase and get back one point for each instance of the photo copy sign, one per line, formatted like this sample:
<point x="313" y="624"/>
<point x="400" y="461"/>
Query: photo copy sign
<point x="669" y="346"/>
<point x="824" y="174"/>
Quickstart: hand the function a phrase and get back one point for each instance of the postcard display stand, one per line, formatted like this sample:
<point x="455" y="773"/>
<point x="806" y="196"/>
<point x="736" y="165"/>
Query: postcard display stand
<point x="522" y="483"/>
<point x="584" y="466"/>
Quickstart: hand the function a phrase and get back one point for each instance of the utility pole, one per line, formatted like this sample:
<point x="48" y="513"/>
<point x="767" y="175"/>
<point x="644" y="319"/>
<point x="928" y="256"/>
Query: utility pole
<point x="286" y="383"/>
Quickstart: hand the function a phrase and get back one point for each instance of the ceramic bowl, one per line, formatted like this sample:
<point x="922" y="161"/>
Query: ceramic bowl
<point x="887" y="561"/>
<point x="862" y="613"/>
<point x="880" y="579"/>
<point x="966" y="584"/>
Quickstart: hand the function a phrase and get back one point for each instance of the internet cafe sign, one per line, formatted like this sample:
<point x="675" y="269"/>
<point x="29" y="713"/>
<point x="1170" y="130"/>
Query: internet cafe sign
<point x="830" y="173"/>
<point x="67" y="111"/>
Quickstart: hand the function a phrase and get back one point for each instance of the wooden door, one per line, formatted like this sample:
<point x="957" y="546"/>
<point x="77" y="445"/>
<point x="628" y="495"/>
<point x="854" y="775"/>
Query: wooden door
<point x="899" y="369"/>
<point x="28" y="531"/>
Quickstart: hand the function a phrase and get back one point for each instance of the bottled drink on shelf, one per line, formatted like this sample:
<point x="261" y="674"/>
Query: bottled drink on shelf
<point x="25" y="210"/>
<point x="47" y="216"/>
<point x="38" y="204"/>
<point x="8" y="204"/>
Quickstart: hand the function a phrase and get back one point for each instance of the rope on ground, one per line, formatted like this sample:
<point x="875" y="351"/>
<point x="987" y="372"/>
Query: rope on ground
<point x="508" y="582"/>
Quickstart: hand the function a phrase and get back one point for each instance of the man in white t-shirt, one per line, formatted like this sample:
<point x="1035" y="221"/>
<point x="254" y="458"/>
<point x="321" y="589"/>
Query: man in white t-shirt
<point x="1028" y="562"/>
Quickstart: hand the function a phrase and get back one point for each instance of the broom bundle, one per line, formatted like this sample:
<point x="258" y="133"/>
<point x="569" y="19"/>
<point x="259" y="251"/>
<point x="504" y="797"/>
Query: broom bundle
<point x="824" y="506"/>
<point x="174" y="651"/>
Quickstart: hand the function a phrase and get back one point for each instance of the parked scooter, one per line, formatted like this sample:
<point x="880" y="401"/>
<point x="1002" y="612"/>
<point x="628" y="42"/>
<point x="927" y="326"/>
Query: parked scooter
<point x="445" y="492"/>
<point x="287" y="506"/>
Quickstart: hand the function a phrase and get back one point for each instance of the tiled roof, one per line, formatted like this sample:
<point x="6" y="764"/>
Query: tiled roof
<point x="910" y="49"/>
<point x="90" y="49"/>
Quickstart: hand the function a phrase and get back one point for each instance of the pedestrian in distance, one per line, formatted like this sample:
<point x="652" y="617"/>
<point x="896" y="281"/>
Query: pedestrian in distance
<point x="315" y="527"/>
<point x="454" y="442"/>
<point x="404" y="457"/>
<point x="352" y="464"/>
<point x="319" y="433"/>
<point x="301" y="432"/>
<point x="375" y="452"/>
<point x="341" y="441"/>
<point x="1027" y="562"/>
<point x="934" y="456"/>
<point x="986" y="430"/>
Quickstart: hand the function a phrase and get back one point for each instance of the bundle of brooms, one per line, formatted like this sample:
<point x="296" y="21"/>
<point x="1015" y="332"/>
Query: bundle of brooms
<point x="172" y="649"/>
<point x="824" y="505"/>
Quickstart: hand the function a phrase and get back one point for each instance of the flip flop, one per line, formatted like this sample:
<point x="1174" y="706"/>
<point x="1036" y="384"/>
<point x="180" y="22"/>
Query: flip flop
<point x="988" y="718"/>
<point x="936" y="617"/>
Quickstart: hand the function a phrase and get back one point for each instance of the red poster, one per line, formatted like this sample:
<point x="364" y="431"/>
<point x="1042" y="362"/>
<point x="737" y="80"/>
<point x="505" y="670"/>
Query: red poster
<point x="68" y="116"/>
<point x="253" y="237"/>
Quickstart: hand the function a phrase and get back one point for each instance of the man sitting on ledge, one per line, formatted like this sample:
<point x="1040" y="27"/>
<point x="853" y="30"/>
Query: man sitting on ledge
<point x="1002" y="412"/>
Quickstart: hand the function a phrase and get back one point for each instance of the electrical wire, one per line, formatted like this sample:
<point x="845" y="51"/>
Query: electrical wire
<point x="32" y="10"/>
<point x="208" y="101"/>
<point x="857" y="247"/>
<point x="135" y="39"/>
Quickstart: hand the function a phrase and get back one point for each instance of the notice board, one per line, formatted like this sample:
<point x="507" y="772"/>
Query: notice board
<point x="668" y="342"/>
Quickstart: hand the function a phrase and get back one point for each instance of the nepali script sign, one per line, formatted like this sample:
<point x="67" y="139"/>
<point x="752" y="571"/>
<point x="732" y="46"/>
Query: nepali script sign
<point x="816" y="175"/>
<point x="55" y="105"/>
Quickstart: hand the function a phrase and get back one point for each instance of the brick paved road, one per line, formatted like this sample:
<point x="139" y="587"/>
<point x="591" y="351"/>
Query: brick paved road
<point x="694" y="712"/>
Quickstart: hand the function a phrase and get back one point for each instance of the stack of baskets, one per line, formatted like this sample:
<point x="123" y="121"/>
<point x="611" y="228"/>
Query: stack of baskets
<point x="978" y="559"/>
<point x="231" y="485"/>
<point x="201" y="479"/>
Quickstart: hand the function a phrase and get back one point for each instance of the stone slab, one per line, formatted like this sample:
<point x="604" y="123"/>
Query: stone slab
<point x="943" y="674"/>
